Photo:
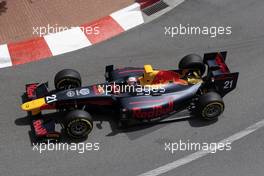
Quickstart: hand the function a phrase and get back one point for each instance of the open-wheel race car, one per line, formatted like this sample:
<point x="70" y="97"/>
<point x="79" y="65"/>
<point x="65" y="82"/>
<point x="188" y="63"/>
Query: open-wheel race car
<point x="136" y="95"/>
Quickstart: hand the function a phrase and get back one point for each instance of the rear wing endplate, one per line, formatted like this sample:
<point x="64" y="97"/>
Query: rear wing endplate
<point x="223" y="79"/>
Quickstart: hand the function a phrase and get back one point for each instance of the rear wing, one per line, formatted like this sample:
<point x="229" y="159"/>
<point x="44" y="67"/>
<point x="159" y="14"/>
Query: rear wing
<point x="219" y="75"/>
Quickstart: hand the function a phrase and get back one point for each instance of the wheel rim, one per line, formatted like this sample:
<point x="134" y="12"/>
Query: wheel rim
<point x="212" y="110"/>
<point x="68" y="84"/>
<point x="79" y="128"/>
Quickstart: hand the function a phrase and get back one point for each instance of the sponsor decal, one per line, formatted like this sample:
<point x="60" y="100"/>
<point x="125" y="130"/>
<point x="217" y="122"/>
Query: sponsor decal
<point x="70" y="93"/>
<point x="52" y="98"/>
<point x="31" y="89"/>
<point x="85" y="91"/>
<point x="154" y="112"/>
<point x="39" y="130"/>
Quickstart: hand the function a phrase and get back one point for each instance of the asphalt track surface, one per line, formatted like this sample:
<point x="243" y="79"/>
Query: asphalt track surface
<point x="140" y="150"/>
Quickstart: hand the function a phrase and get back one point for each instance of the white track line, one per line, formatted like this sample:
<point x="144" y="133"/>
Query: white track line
<point x="189" y="158"/>
<point x="5" y="59"/>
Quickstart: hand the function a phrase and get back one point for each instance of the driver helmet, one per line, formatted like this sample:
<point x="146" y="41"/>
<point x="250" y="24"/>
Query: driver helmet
<point x="132" y="81"/>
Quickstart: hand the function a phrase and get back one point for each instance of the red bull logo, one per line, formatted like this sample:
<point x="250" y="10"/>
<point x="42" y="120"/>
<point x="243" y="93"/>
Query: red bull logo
<point x="39" y="130"/>
<point x="31" y="89"/>
<point x="156" y="111"/>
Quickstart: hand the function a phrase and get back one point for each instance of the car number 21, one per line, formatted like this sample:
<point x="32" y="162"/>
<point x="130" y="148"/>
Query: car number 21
<point x="228" y="84"/>
<point x="52" y="98"/>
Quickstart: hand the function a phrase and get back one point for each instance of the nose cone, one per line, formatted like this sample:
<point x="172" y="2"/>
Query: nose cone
<point x="34" y="104"/>
<point x="25" y="106"/>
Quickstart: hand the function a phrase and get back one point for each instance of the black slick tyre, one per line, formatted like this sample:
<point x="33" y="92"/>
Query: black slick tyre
<point x="78" y="124"/>
<point x="210" y="106"/>
<point x="192" y="62"/>
<point x="67" y="79"/>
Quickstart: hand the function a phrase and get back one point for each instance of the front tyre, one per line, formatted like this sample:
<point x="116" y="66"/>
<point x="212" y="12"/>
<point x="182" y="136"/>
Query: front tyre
<point x="210" y="106"/>
<point x="67" y="79"/>
<point x="78" y="124"/>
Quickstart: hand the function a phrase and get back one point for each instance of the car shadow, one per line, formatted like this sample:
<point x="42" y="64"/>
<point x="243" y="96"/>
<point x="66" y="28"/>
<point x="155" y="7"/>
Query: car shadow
<point x="133" y="131"/>
<point x="197" y="122"/>
<point x="3" y="7"/>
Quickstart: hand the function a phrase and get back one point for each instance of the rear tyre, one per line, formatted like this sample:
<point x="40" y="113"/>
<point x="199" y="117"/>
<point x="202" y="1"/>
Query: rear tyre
<point x="193" y="62"/>
<point x="67" y="79"/>
<point x="210" y="106"/>
<point x="78" y="124"/>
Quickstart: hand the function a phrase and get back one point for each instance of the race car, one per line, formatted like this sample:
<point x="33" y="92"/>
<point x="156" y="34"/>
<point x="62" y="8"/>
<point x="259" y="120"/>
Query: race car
<point x="136" y="95"/>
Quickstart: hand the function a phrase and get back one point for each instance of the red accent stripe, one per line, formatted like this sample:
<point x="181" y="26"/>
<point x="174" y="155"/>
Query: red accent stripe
<point x="146" y="3"/>
<point x="130" y="71"/>
<point x="223" y="78"/>
<point x="107" y="27"/>
<point x="220" y="61"/>
<point x="48" y="107"/>
<point x="147" y="101"/>
<point x="28" y="51"/>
